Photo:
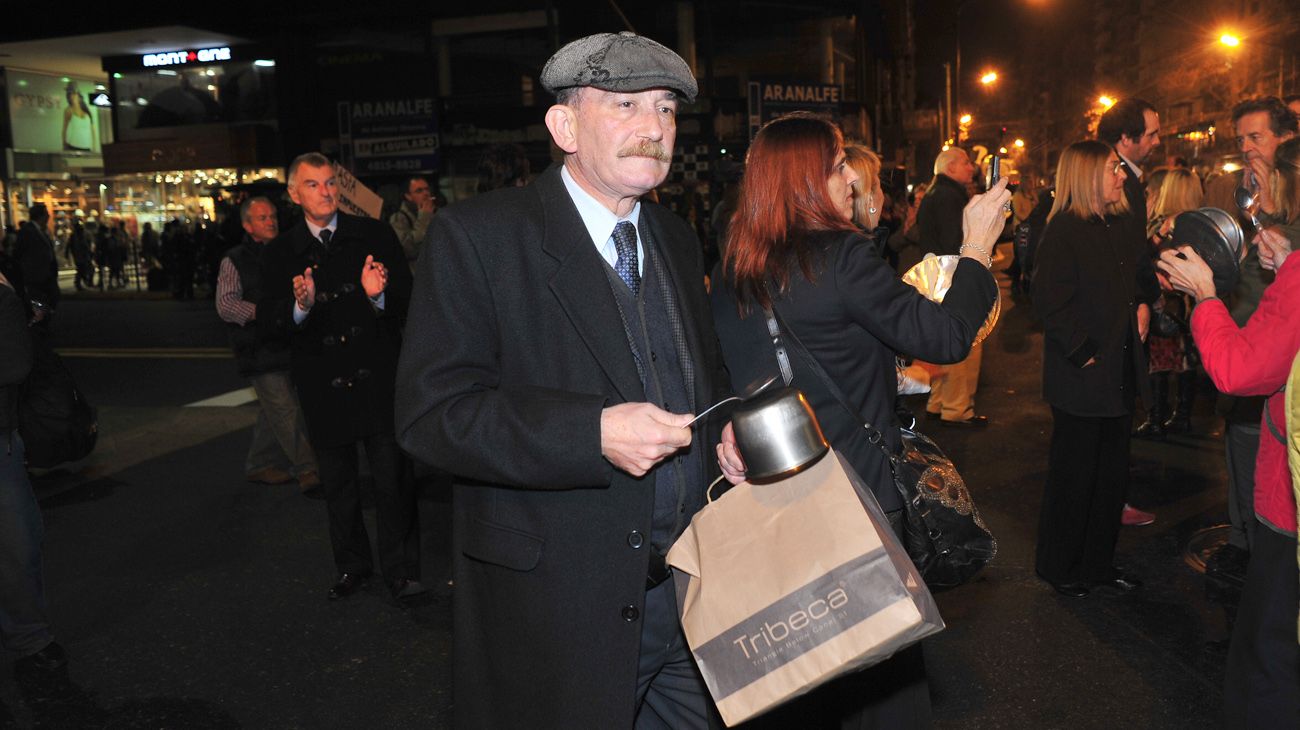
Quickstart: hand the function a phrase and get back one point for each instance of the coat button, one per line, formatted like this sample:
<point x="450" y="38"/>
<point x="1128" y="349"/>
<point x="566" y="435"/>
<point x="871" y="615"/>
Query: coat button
<point x="634" y="539"/>
<point x="630" y="613"/>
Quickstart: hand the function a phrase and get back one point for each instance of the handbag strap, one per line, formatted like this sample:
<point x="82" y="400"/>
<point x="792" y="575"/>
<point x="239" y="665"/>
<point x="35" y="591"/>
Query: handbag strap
<point x="775" y="326"/>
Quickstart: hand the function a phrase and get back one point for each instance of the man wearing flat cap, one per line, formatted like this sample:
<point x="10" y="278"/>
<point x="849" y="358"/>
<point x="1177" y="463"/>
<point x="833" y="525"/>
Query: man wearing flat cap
<point x="554" y="355"/>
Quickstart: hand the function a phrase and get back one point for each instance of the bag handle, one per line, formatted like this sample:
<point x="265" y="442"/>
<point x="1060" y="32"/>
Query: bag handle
<point x="774" y="328"/>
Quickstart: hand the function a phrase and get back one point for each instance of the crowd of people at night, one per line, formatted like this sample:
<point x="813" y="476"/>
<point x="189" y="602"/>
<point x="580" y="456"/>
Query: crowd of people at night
<point x="548" y="341"/>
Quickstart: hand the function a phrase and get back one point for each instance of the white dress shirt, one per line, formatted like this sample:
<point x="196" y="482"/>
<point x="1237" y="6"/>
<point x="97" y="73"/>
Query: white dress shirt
<point x="600" y="222"/>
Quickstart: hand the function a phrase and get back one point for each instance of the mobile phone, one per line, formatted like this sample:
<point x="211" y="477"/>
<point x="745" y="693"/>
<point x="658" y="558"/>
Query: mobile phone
<point x="995" y="171"/>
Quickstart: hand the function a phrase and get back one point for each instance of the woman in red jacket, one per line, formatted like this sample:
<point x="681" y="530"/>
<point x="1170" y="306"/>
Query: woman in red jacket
<point x="1263" y="673"/>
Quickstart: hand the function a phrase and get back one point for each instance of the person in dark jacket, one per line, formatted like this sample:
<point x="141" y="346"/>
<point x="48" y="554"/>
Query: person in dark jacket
<point x="939" y="222"/>
<point x="336" y="287"/>
<point x="1132" y="127"/>
<point x="279" y="452"/>
<point x="1085" y="293"/>
<point x="792" y="246"/>
<point x="24" y="616"/>
<point x="34" y="254"/>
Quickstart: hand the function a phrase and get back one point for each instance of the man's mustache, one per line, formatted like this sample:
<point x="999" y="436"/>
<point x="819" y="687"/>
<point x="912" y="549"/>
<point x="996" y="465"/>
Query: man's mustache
<point x="647" y="148"/>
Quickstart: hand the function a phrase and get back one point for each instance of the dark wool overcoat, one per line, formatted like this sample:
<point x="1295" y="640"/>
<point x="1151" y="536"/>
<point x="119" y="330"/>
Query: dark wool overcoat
<point x="344" y="355"/>
<point x="514" y="346"/>
<point x="1086" y="293"/>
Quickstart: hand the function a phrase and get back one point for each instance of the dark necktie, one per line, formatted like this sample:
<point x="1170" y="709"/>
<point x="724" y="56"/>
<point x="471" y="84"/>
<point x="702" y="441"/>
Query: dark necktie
<point x="325" y="236"/>
<point x="626" y="267"/>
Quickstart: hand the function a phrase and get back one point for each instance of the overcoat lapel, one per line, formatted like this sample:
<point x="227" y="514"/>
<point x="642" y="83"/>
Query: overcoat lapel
<point x="582" y="289"/>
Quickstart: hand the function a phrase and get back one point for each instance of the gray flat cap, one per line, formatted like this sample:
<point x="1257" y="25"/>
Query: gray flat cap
<point x="618" y="62"/>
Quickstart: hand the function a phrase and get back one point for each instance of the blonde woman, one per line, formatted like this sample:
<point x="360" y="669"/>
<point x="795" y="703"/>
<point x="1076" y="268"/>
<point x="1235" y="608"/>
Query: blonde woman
<point x="1180" y="192"/>
<point x="1084" y="290"/>
<point x="868" y="197"/>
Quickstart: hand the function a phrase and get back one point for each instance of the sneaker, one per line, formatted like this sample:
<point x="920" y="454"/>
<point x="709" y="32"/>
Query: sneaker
<point x="1134" y="517"/>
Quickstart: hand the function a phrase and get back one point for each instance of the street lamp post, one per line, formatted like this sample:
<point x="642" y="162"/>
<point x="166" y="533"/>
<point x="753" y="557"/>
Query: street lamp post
<point x="1232" y="41"/>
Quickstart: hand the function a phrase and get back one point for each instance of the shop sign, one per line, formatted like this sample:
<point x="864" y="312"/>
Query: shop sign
<point x="354" y="197"/>
<point x="178" y="58"/>
<point x="770" y="99"/>
<point x="389" y="136"/>
<point x="55" y="114"/>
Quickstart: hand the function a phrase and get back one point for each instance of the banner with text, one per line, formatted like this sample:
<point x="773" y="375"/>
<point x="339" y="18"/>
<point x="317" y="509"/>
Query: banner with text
<point x="770" y="99"/>
<point x="56" y="114"/>
<point x="354" y="197"/>
<point x="389" y="136"/>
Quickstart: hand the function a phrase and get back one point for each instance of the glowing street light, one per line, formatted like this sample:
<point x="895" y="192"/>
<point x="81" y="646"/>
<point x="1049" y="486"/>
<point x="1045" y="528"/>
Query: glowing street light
<point x="1105" y="101"/>
<point x="1002" y="150"/>
<point x="965" y="119"/>
<point x="989" y="78"/>
<point x="1230" y="40"/>
<point x="1019" y="143"/>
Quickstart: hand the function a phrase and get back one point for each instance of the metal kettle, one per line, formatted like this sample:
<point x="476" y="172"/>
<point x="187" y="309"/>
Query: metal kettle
<point x="777" y="433"/>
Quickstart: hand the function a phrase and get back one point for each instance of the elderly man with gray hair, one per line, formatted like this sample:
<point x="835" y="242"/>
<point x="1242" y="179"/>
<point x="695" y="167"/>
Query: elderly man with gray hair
<point x="280" y="452"/>
<point x="556" y="349"/>
<point x="952" y="395"/>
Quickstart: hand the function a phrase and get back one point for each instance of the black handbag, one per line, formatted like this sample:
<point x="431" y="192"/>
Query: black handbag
<point x="943" y="533"/>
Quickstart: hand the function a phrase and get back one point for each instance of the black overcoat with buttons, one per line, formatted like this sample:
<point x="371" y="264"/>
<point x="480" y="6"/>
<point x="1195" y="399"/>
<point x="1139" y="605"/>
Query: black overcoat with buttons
<point x="514" y="346"/>
<point x="344" y="355"/>
<point x="1085" y="291"/>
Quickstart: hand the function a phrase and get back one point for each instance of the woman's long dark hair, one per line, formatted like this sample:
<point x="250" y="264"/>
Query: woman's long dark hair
<point x="782" y="196"/>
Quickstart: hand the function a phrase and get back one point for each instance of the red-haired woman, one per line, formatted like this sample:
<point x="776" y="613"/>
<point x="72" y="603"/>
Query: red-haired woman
<point x="791" y="246"/>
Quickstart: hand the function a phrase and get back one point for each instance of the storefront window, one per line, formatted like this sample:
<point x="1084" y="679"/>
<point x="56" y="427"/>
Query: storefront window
<point x="236" y="92"/>
<point x="134" y="200"/>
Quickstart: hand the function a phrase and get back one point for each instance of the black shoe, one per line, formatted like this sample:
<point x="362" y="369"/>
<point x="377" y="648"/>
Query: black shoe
<point x="50" y="658"/>
<point x="1151" y="428"/>
<point x="1075" y="589"/>
<point x="1179" y="422"/>
<point x="972" y="422"/>
<point x="348" y="583"/>
<point x="404" y="588"/>
<point x="1120" y="581"/>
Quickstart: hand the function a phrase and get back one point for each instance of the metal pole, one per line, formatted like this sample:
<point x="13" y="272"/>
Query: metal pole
<point x="947" y="82"/>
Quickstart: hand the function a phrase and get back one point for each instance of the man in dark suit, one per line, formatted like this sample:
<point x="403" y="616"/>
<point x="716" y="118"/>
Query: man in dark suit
<point x="1132" y="127"/>
<point x="34" y="254"/>
<point x="557" y="346"/>
<point x="952" y="396"/>
<point x="337" y="286"/>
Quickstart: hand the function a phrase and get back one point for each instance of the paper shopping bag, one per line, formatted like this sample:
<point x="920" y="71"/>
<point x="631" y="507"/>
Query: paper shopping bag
<point x="786" y="585"/>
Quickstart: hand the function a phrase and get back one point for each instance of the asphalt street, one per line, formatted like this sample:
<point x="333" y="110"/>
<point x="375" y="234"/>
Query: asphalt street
<point x="189" y="598"/>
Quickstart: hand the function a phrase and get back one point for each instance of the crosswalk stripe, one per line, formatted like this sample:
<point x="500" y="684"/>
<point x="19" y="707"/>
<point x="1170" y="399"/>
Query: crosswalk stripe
<point x="226" y="400"/>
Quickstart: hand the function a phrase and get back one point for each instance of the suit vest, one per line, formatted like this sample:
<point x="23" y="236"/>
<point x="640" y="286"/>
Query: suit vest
<point x="652" y="324"/>
<point x="253" y="355"/>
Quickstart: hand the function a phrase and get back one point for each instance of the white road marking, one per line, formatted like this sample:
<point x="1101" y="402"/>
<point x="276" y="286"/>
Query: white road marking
<point x="226" y="400"/>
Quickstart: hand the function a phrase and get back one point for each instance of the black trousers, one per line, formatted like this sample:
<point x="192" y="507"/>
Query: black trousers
<point x="1240" y="445"/>
<point x="1087" y="479"/>
<point x="1262" y="688"/>
<point x="395" y="509"/>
